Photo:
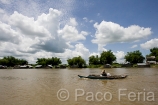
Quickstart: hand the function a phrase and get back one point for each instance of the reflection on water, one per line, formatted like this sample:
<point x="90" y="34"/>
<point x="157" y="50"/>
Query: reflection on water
<point x="40" y="87"/>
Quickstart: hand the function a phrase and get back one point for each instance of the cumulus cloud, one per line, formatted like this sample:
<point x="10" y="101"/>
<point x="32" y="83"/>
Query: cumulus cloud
<point x="101" y="48"/>
<point x="134" y="46"/>
<point x="43" y="31"/>
<point x="150" y="44"/>
<point x="32" y="38"/>
<point x="85" y="19"/>
<point x="51" y="45"/>
<point x="70" y="33"/>
<point x="109" y="32"/>
<point x="1" y="11"/>
<point x="7" y="34"/>
<point x="5" y="1"/>
<point x="28" y="26"/>
<point x="119" y="56"/>
<point x="28" y="30"/>
<point x="73" y="22"/>
<point x="91" y="21"/>
<point x="83" y="51"/>
<point x="30" y="35"/>
<point x="94" y="54"/>
<point x="79" y="50"/>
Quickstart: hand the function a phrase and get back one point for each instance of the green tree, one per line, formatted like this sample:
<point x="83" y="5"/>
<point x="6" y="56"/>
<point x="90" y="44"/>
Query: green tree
<point x="94" y="60"/>
<point x="134" y="57"/>
<point x="48" y="61"/>
<point x="107" y="57"/>
<point x="4" y="62"/>
<point x="12" y="61"/>
<point x="41" y="61"/>
<point x="154" y="52"/>
<point x="79" y="61"/>
<point x="56" y="60"/>
<point x="22" y="62"/>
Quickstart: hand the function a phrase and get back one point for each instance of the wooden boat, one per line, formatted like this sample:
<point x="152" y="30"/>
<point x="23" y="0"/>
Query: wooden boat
<point x="104" y="77"/>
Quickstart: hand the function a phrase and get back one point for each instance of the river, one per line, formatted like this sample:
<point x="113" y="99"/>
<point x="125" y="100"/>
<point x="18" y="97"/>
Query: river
<point x="63" y="87"/>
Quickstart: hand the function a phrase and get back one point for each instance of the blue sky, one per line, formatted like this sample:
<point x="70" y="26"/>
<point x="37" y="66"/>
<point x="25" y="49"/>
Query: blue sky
<point x="32" y="29"/>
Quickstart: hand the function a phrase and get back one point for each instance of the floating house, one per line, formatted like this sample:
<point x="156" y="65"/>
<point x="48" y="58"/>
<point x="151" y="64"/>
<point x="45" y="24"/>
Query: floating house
<point x="107" y="66"/>
<point x="23" y="66"/>
<point x="127" y="65"/>
<point x="49" y="66"/>
<point x="150" y="60"/>
<point x="141" y="65"/>
<point x="38" y="66"/>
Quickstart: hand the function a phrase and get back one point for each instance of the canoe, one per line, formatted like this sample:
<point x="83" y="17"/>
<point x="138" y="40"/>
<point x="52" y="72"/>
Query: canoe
<point x="104" y="77"/>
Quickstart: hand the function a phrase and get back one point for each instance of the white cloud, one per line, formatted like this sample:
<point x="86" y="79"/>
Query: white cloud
<point x="41" y="54"/>
<point x="70" y="33"/>
<point x="28" y="26"/>
<point x="109" y="32"/>
<point x="119" y="56"/>
<point x="91" y="21"/>
<point x="50" y="20"/>
<point x="84" y="33"/>
<point x="101" y="48"/>
<point x="31" y="38"/>
<point x="150" y="44"/>
<point x="30" y="35"/>
<point x="94" y="54"/>
<point x="83" y="51"/>
<point x="3" y="15"/>
<point x="69" y="45"/>
<point x="134" y="46"/>
<point x="80" y="50"/>
<point x="43" y="31"/>
<point x="73" y="22"/>
<point x="85" y="19"/>
<point x="7" y="34"/>
<point x="2" y="11"/>
<point x="5" y="1"/>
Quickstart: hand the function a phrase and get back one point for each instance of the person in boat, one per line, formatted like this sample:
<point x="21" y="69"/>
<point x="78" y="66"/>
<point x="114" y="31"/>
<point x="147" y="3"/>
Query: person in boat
<point x="104" y="73"/>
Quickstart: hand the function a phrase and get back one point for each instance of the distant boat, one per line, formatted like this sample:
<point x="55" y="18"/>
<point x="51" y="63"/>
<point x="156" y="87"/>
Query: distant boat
<point x="104" y="77"/>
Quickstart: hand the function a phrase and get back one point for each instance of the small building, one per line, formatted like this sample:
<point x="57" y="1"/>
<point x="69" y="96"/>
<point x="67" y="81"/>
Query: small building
<point x="150" y="60"/>
<point x="3" y="67"/>
<point x="38" y="66"/>
<point x="63" y="66"/>
<point x="142" y="65"/>
<point x="127" y="65"/>
<point x="107" y="66"/>
<point x="57" y="66"/>
<point x="74" y="66"/>
<point x="50" y="66"/>
<point x="30" y="66"/>
<point x="23" y="66"/>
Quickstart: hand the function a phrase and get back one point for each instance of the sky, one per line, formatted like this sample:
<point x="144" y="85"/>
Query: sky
<point x="31" y="29"/>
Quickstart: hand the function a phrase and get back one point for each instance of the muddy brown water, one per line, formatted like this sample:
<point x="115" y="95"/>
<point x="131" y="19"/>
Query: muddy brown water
<point x="63" y="87"/>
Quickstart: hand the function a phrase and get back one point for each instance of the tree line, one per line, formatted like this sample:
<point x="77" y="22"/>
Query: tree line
<point x="106" y="57"/>
<point x="11" y="61"/>
<point x="48" y="61"/>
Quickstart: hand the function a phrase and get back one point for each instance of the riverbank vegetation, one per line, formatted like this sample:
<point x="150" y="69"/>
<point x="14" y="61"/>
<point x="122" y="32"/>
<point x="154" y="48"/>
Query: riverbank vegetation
<point x="106" y="58"/>
<point x="48" y="61"/>
<point x="11" y="61"/>
<point x="78" y="62"/>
